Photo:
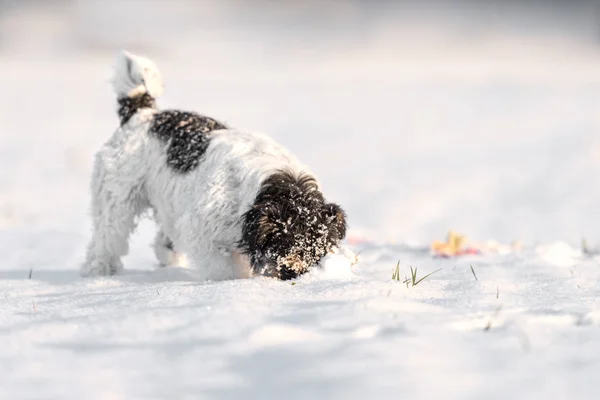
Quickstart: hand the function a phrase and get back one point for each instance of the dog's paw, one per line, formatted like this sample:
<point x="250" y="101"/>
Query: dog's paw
<point x="168" y="257"/>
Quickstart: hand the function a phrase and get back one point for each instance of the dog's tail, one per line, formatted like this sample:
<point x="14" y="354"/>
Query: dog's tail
<point x="136" y="76"/>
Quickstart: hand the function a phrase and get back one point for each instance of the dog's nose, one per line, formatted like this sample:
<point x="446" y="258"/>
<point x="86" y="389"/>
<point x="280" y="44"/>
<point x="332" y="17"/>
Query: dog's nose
<point x="286" y="273"/>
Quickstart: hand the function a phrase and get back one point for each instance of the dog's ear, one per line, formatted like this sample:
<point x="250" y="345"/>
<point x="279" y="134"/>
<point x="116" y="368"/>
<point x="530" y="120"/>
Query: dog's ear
<point x="336" y="221"/>
<point x="261" y="230"/>
<point x="267" y="224"/>
<point x="267" y="227"/>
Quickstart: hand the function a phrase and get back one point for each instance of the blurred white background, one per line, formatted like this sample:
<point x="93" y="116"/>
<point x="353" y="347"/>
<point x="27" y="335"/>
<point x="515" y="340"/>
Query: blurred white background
<point x="419" y="117"/>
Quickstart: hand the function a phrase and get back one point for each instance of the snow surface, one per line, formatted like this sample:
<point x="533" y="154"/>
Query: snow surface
<point x="524" y="329"/>
<point x="499" y="144"/>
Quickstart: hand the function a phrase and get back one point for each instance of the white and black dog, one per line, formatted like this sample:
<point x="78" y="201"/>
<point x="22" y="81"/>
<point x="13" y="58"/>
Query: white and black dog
<point x="225" y="198"/>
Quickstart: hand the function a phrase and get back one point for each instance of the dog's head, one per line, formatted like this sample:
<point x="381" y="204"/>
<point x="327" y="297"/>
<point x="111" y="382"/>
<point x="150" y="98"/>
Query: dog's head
<point x="290" y="227"/>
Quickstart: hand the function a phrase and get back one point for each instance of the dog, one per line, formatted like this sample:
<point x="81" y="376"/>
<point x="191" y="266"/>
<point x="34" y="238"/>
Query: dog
<point x="227" y="199"/>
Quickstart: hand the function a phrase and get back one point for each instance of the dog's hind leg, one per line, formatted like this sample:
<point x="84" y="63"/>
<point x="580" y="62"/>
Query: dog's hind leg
<point x="117" y="200"/>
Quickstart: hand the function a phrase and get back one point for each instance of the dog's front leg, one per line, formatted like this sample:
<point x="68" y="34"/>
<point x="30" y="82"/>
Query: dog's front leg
<point x="166" y="253"/>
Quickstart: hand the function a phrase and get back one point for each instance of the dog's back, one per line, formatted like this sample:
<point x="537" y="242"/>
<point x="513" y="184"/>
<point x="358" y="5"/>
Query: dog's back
<point x="211" y="198"/>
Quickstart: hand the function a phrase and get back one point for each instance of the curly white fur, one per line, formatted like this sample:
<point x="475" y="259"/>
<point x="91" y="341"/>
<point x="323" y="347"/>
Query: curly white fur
<point x="136" y="75"/>
<point x="200" y="211"/>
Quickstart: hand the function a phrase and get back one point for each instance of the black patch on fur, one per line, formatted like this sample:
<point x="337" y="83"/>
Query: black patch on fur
<point x="187" y="135"/>
<point x="128" y="106"/>
<point x="290" y="227"/>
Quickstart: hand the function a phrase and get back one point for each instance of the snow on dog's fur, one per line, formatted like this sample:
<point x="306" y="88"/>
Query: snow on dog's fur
<point x="225" y="198"/>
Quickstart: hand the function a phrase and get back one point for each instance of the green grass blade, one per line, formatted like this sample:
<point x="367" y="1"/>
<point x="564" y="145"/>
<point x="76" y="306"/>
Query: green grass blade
<point x="396" y="273"/>
<point x="426" y="276"/>
<point x="413" y="275"/>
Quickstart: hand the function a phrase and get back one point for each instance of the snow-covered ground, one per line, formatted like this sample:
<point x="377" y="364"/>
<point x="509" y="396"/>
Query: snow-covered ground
<point x="529" y="327"/>
<point x="495" y="136"/>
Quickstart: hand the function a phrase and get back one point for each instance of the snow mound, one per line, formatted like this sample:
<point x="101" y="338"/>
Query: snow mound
<point x="336" y="265"/>
<point x="559" y="253"/>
